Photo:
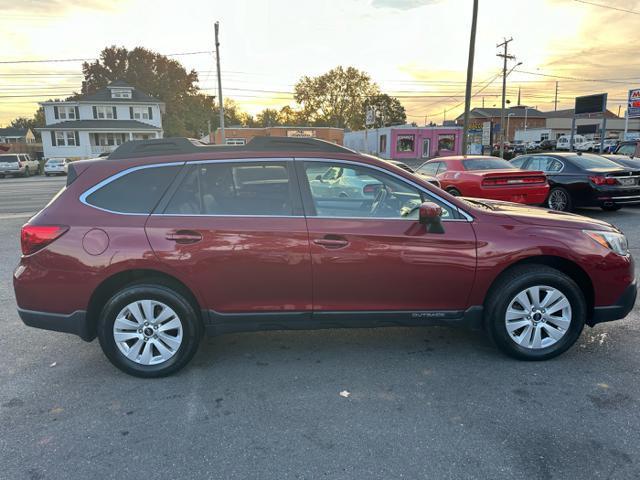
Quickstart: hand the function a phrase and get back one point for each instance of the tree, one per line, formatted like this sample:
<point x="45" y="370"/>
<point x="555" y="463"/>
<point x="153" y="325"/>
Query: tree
<point x="388" y="109"/>
<point x="290" y="117"/>
<point x="269" y="117"/>
<point x="187" y="110"/>
<point x="336" y="98"/>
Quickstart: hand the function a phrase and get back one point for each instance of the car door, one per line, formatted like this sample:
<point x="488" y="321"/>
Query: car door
<point x="371" y="254"/>
<point x="235" y="229"/>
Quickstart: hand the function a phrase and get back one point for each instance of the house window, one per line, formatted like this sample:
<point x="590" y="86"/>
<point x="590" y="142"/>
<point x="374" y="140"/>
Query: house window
<point x="65" y="139"/>
<point x="120" y="93"/>
<point x="383" y="143"/>
<point x="405" y="143"/>
<point x="446" y="141"/>
<point x="140" y="113"/>
<point x="235" y="141"/>
<point x="104" y="112"/>
<point x="67" y="113"/>
<point x="110" y="139"/>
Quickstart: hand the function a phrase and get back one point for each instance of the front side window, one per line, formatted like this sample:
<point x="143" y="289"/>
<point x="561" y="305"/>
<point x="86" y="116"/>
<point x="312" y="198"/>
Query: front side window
<point x="429" y="168"/>
<point x="446" y="141"/>
<point x="405" y="143"/>
<point x="362" y="192"/>
<point x="243" y="188"/>
<point x="628" y="149"/>
<point x="135" y="192"/>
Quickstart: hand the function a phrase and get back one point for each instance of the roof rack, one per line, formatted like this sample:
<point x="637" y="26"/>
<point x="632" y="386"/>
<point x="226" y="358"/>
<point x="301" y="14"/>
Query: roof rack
<point x="182" y="145"/>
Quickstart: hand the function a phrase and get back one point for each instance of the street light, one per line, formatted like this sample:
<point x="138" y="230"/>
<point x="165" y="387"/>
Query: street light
<point x="507" y="130"/>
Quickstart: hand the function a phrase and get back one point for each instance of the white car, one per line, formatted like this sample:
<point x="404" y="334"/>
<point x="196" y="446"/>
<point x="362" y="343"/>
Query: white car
<point x="564" y="142"/>
<point x="18" y="164"/>
<point x="56" y="166"/>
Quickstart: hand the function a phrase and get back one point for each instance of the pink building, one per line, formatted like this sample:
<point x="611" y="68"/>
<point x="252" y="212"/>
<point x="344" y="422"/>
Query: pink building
<point x="407" y="143"/>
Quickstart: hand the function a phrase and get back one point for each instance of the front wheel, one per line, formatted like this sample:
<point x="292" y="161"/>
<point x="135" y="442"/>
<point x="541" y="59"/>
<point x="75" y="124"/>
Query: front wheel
<point x="454" y="191"/>
<point x="149" y="330"/>
<point x="535" y="313"/>
<point x="559" y="200"/>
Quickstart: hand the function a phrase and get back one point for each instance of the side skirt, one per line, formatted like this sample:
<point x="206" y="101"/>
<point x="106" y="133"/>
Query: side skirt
<point x="217" y="323"/>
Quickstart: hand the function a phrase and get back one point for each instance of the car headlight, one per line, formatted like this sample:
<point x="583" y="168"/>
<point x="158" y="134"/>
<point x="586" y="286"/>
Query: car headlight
<point x="616" y="242"/>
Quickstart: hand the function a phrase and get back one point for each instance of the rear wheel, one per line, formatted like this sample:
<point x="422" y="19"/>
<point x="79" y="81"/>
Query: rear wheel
<point x="454" y="191"/>
<point x="535" y="313"/>
<point x="149" y="330"/>
<point x="560" y="200"/>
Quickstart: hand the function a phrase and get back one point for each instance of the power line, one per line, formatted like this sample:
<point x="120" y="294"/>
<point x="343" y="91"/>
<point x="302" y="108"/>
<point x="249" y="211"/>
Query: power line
<point x="608" y="6"/>
<point x="60" y="60"/>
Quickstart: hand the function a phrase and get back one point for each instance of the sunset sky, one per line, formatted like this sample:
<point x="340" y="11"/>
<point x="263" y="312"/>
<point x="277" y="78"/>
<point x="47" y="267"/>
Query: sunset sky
<point x="414" y="49"/>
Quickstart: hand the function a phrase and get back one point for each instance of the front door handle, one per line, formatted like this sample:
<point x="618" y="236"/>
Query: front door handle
<point x="332" y="241"/>
<point x="184" y="237"/>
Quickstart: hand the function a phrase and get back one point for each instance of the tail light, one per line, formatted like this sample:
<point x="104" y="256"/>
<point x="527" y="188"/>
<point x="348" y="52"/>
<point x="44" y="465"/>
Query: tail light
<point x="36" y="237"/>
<point x="499" y="181"/>
<point x="599" y="180"/>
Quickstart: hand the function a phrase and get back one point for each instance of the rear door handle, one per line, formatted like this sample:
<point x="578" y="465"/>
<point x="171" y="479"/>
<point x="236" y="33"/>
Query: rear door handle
<point x="332" y="241"/>
<point x="184" y="237"/>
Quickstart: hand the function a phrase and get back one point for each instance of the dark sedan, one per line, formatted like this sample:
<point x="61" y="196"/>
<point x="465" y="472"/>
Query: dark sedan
<point x="624" y="161"/>
<point x="584" y="180"/>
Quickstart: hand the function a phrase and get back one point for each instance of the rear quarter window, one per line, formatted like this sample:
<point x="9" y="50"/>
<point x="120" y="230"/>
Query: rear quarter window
<point x="137" y="191"/>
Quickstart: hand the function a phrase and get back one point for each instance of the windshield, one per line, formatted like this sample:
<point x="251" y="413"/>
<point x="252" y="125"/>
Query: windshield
<point x="588" y="161"/>
<point x="8" y="158"/>
<point x="487" y="164"/>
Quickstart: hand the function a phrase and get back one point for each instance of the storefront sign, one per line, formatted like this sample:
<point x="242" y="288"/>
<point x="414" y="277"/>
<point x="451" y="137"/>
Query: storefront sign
<point x="301" y="133"/>
<point x="633" y="108"/>
<point x="486" y="133"/>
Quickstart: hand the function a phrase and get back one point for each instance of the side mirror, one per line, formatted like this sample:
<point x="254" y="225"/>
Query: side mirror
<point x="430" y="215"/>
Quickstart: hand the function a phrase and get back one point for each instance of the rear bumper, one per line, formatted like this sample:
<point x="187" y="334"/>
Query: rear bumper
<point x="75" y="322"/>
<point x="617" y="311"/>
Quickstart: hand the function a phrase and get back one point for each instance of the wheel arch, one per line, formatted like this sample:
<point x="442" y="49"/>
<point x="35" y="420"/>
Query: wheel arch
<point x="568" y="267"/>
<point x="108" y="287"/>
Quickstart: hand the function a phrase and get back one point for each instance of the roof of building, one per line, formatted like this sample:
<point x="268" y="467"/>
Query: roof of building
<point x="119" y="84"/>
<point x="517" y="111"/>
<point x="104" y="94"/>
<point x="13" y="132"/>
<point x="100" y="125"/>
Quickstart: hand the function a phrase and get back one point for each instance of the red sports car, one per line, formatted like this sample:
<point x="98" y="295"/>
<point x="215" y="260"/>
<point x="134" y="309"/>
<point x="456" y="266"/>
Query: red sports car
<point x="487" y="177"/>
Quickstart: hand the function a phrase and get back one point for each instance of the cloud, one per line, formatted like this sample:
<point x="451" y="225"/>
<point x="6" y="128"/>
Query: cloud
<point x="402" y="4"/>
<point x="51" y="7"/>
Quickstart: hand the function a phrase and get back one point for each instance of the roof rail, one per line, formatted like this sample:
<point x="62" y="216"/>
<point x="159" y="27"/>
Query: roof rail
<point x="182" y="145"/>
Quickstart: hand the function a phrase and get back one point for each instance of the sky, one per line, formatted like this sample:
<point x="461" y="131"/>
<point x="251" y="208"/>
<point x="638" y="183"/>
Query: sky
<point x="414" y="49"/>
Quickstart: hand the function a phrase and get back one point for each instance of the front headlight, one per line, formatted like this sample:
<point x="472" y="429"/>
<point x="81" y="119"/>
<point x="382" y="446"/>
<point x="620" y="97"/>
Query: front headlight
<point x="616" y="242"/>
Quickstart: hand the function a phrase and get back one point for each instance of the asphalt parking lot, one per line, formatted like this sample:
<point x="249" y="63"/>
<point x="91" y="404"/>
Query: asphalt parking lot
<point x="425" y="403"/>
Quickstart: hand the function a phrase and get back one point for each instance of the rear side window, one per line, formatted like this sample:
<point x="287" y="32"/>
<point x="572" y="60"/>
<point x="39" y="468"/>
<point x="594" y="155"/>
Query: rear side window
<point x="244" y="188"/>
<point x="135" y="192"/>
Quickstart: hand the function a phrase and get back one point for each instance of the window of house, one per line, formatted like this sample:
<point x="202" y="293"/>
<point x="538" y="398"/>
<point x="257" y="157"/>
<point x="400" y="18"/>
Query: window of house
<point x="383" y="143"/>
<point x="135" y="192"/>
<point x="65" y="139"/>
<point x="446" y="141"/>
<point x="120" y="93"/>
<point x="104" y="112"/>
<point x="106" y="139"/>
<point x="405" y="143"/>
<point x="347" y="191"/>
<point x="245" y="188"/>
<point x="66" y="113"/>
<point x="141" y="113"/>
<point x="235" y="141"/>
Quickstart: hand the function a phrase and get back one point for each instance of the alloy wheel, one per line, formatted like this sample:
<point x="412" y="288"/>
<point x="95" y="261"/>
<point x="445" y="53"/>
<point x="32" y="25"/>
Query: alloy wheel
<point x="558" y="200"/>
<point x="538" y="317"/>
<point x="148" y="332"/>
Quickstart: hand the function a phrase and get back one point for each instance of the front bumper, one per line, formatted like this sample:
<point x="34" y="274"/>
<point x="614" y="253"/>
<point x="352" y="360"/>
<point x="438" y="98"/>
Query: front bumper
<point x="617" y="311"/>
<point x="75" y="322"/>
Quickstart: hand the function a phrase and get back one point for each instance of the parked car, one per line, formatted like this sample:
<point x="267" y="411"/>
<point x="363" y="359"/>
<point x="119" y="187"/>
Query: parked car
<point x="584" y="180"/>
<point x="487" y="177"/>
<point x="422" y="173"/>
<point x="547" y="145"/>
<point x="624" y="161"/>
<point x="588" y="146"/>
<point x="579" y="143"/>
<point x="610" y="145"/>
<point x="533" y="145"/>
<point x="18" y="164"/>
<point x="629" y="148"/>
<point x="169" y="238"/>
<point x="56" y="166"/>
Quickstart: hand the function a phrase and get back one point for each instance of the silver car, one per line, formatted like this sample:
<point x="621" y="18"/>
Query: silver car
<point x="18" y="164"/>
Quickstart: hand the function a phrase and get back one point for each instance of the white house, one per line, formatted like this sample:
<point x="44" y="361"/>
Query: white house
<point x="99" y="122"/>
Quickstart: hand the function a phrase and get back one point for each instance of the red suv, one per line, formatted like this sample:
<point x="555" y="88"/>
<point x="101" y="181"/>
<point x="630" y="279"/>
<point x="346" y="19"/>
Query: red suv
<point x="167" y="239"/>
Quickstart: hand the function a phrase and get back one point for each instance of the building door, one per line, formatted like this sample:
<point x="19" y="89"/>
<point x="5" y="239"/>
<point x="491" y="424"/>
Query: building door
<point x="426" y="148"/>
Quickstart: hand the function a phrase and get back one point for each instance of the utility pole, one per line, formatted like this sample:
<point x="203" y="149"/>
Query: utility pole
<point x="467" y="96"/>
<point x="555" y="101"/>
<point x="505" y="56"/>
<point x="222" y="139"/>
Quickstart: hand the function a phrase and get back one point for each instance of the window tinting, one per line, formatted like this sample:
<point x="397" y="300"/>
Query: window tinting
<point x="135" y="192"/>
<point x="234" y="189"/>
<point x="587" y="161"/>
<point x="486" y="164"/>
<point x="346" y="191"/>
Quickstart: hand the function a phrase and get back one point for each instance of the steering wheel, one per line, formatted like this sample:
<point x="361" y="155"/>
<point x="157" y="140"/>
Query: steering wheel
<point x="379" y="200"/>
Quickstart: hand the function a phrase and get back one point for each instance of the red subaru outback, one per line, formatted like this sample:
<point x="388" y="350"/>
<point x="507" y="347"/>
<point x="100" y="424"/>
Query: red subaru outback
<point x="168" y="239"/>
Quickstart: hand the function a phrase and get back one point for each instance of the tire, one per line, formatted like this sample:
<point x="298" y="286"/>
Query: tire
<point x="559" y="200"/>
<point x="611" y="208"/>
<point x="507" y="290"/>
<point x="164" y="300"/>
<point x="454" y="191"/>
